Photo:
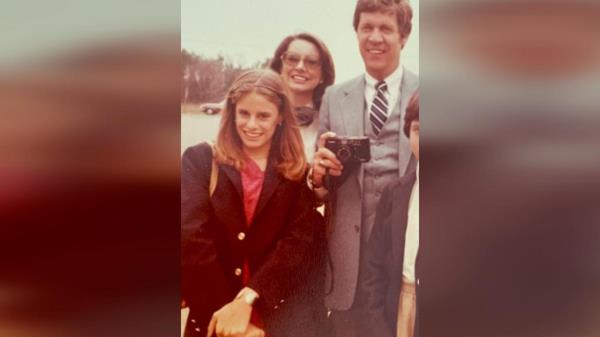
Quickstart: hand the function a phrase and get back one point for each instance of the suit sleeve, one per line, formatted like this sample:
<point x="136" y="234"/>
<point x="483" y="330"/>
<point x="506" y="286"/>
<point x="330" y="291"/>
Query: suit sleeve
<point x="376" y="277"/>
<point x="202" y="278"/>
<point x="288" y="264"/>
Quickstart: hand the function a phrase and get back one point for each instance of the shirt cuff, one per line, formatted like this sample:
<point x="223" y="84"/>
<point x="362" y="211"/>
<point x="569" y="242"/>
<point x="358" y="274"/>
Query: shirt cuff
<point x="248" y="295"/>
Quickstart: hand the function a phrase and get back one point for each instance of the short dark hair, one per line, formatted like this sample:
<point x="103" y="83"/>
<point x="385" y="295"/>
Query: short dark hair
<point x="412" y="113"/>
<point x="401" y="8"/>
<point x="327" y="68"/>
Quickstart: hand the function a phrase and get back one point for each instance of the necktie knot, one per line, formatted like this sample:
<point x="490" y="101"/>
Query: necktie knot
<point x="381" y="86"/>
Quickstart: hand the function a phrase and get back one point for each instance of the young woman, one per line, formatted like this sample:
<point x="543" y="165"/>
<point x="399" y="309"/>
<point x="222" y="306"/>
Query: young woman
<point x="306" y="66"/>
<point x="250" y="246"/>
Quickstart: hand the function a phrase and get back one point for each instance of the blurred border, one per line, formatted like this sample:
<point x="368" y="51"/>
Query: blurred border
<point x="89" y="201"/>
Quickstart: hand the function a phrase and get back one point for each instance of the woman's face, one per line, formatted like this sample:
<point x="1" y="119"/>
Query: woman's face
<point x="301" y="66"/>
<point x="256" y="119"/>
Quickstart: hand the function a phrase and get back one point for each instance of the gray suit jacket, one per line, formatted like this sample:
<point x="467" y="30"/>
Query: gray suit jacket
<point x="342" y="111"/>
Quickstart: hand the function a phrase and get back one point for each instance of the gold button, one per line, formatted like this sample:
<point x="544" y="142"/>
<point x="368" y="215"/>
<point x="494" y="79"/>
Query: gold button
<point x="241" y="236"/>
<point x="237" y="272"/>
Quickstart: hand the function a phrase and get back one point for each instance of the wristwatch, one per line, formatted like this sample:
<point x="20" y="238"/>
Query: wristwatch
<point x="247" y="295"/>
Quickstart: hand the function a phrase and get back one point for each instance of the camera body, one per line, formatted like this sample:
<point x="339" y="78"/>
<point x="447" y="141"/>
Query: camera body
<point x="350" y="149"/>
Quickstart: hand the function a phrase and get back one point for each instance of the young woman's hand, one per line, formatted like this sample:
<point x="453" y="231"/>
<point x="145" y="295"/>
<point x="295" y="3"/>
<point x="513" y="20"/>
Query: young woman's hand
<point x="231" y="320"/>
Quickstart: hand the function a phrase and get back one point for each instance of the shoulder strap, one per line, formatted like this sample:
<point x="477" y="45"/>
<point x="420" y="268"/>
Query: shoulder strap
<point x="214" y="173"/>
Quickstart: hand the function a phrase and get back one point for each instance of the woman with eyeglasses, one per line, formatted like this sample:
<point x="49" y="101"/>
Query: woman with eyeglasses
<point x="251" y="237"/>
<point x="306" y="66"/>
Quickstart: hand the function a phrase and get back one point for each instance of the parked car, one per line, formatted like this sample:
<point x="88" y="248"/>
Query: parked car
<point x="211" y="108"/>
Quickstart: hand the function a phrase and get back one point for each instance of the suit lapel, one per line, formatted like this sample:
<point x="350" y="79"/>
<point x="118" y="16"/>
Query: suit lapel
<point x="409" y="85"/>
<point x="353" y="106"/>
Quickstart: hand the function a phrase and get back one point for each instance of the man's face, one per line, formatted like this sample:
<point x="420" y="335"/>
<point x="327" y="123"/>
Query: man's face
<point x="380" y="43"/>
<point x="414" y="138"/>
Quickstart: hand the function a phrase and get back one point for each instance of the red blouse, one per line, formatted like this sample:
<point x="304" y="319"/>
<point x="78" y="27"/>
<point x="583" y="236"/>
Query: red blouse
<point x="252" y="181"/>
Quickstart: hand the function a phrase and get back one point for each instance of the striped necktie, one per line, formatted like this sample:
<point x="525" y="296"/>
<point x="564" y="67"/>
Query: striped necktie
<point x="379" y="108"/>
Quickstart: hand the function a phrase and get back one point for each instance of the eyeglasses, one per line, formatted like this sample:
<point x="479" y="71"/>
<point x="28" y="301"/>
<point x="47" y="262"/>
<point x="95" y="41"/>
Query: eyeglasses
<point x="293" y="59"/>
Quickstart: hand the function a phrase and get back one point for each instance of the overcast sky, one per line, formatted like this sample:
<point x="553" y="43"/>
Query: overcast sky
<point x="247" y="31"/>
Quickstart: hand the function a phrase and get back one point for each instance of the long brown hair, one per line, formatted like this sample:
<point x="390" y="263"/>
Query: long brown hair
<point x="287" y="149"/>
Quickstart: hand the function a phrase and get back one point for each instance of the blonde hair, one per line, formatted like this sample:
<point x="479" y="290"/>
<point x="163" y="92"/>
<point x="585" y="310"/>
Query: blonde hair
<point x="287" y="148"/>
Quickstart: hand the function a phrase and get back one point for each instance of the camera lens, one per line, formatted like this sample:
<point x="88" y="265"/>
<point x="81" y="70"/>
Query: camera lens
<point x="343" y="154"/>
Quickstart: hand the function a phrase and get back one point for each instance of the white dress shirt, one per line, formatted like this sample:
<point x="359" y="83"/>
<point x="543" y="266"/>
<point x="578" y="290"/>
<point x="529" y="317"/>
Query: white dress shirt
<point x="411" y="238"/>
<point x="393" y="81"/>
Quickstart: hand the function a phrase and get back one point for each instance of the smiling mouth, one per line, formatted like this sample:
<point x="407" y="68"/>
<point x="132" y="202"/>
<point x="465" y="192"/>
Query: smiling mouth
<point x="252" y="135"/>
<point x="299" y="78"/>
<point x="375" y="51"/>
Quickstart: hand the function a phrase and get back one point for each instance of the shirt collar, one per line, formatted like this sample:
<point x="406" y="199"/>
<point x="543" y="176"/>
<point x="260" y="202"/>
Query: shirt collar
<point x="393" y="80"/>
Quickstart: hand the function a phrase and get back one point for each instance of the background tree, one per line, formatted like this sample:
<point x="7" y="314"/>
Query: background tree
<point x="207" y="79"/>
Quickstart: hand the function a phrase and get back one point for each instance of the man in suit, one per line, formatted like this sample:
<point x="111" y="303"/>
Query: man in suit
<point x="370" y="105"/>
<point x="390" y="281"/>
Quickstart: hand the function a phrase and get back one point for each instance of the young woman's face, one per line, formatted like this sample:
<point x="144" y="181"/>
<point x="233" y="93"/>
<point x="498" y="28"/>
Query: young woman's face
<point x="301" y="66"/>
<point x="256" y="119"/>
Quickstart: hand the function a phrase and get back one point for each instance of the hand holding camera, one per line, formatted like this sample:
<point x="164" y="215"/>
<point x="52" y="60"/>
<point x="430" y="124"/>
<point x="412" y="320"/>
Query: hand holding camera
<point x="324" y="162"/>
<point x="335" y="152"/>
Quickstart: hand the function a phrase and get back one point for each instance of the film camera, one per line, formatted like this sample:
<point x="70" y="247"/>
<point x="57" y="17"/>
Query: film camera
<point x="350" y="150"/>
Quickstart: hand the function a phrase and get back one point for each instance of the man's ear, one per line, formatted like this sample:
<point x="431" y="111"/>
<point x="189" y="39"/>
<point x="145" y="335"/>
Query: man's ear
<point x="403" y="40"/>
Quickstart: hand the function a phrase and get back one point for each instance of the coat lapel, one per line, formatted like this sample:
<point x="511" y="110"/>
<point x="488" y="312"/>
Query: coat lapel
<point x="228" y="199"/>
<point x="234" y="176"/>
<point x="272" y="180"/>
